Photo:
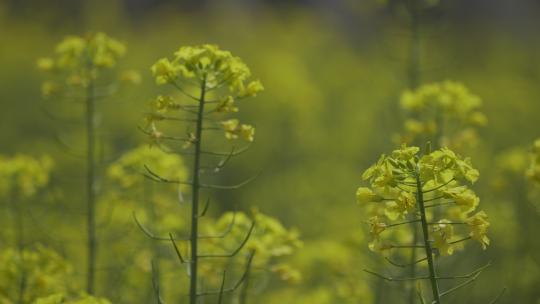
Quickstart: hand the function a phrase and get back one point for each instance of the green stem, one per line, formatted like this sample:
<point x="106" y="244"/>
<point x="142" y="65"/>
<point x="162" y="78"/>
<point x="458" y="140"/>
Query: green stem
<point x="90" y="186"/>
<point x="245" y="286"/>
<point x="427" y="242"/>
<point x="412" y="270"/>
<point x="18" y="226"/>
<point x="414" y="80"/>
<point x="195" y="198"/>
<point x="148" y="194"/>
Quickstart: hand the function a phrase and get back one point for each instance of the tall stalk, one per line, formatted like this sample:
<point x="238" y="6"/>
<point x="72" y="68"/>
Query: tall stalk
<point x="90" y="186"/>
<point x="427" y="242"/>
<point x="18" y="228"/>
<point x="400" y="179"/>
<point x="245" y="287"/>
<point x="205" y="68"/>
<point x="194" y="235"/>
<point x="77" y="63"/>
<point x="413" y="76"/>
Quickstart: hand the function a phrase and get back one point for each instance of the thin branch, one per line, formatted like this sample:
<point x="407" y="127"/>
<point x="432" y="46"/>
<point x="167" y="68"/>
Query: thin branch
<point x="238" y="283"/>
<point x="171" y="118"/>
<point x="231" y="187"/>
<point x="402" y="223"/>
<point x="178" y="253"/>
<point x="166" y="137"/>
<point x="222" y="287"/>
<point x="405" y="190"/>
<point x="404" y="265"/>
<point x="433" y="199"/>
<point x="469" y="281"/>
<point x="205" y="208"/>
<point x="224" y="233"/>
<point x="155" y="283"/>
<point x="460" y="240"/>
<point x="466" y="276"/>
<point x="153" y="236"/>
<point x="407" y="246"/>
<point x="234" y="252"/>
<point x="67" y="147"/>
<point x="222" y="162"/>
<point x="448" y="223"/>
<point x="439" y="204"/>
<point x="227" y="154"/>
<point x="439" y="187"/>
<point x="499" y="296"/>
<point x="407" y="184"/>
<point x="177" y="86"/>
<point x="167" y="150"/>
<point x="391" y="279"/>
<point x="153" y="176"/>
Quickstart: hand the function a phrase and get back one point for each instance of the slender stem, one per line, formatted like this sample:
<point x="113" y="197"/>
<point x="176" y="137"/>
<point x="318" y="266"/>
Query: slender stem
<point x="414" y="80"/>
<point x="195" y="198"/>
<point x="90" y="186"/>
<point x="245" y="286"/>
<point x="427" y="243"/>
<point x="18" y="228"/>
<point x="412" y="262"/>
<point x="148" y="194"/>
<point x="403" y="223"/>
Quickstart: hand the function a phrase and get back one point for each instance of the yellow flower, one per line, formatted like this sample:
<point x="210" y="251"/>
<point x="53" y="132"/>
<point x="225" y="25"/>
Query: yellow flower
<point x="45" y="64"/>
<point x="164" y="71"/>
<point x="366" y="195"/>
<point x="253" y="88"/>
<point x="208" y="63"/>
<point x="405" y="153"/>
<point x="49" y="88"/>
<point x="70" y="51"/>
<point x="414" y="126"/>
<point x="227" y="105"/>
<point x="442" y="233"/>
<point x="163" y="103"/>
<point x="247" y="132"/>
<point x="479" y="224"/>
<point x="126" y="171"/>
<point x="287" y="273"/>
<point x="231" y="128"/>
<point x="478" y="118"/>
<point x="465" y="198"/>
<point x="452" y="102"/>
<point x="131" y="76"/>
<point x="376" y="226"/>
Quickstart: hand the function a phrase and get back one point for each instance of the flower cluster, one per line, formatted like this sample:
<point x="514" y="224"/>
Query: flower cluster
<point x="233" y="129"/>
<point x="212" y="71"/>
<point x="81" y="59"/>
<point x="447" y="111"/>
<point x="396" y="182"/>
<point x="158" y="207"/>
<point x="270" y="241"/>
<point x="128" y="169"/>
<point x="44" y="270"/>
<point x="210" y="64"/>
<point x="24" y="175"/>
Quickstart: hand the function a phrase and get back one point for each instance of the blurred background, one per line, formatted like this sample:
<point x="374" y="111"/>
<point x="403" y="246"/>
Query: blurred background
<point x="333" y="73"/>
